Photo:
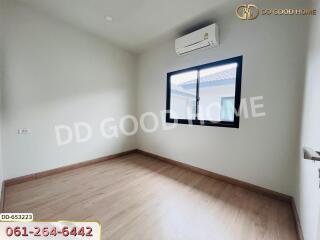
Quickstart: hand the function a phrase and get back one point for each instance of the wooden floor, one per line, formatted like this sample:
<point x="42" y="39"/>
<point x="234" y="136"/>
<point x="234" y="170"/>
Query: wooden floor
<point x="137" y="197"/>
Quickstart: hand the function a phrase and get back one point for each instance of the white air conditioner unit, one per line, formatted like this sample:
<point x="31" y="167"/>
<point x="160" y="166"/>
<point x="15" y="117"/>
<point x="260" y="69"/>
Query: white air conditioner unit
<point x="203" y="38"/>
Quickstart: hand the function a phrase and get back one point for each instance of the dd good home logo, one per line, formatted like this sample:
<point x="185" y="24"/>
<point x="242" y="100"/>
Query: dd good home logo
<point x="247" y="12"/>
<point x="251" y="11"/>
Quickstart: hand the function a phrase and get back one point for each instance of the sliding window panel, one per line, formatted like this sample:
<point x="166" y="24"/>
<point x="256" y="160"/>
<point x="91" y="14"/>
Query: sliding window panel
<point x="183" y="95"/>
<point x="217" y="92"/>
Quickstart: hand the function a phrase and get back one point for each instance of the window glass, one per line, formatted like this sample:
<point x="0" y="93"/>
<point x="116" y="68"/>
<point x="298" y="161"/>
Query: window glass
<point x="227" y="109"/>
<point x="216" y="84"/>
<point x="183" y="95"/>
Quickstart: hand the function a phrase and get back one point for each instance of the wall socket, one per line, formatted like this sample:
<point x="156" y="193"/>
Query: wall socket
<point x="24" y="131"/>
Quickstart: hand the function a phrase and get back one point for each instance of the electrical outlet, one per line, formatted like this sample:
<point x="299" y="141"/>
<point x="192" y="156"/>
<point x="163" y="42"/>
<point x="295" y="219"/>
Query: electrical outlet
<point x="24" y="131"/>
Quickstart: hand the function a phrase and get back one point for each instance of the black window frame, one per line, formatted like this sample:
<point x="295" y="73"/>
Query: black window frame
<point x="236" y="122"/>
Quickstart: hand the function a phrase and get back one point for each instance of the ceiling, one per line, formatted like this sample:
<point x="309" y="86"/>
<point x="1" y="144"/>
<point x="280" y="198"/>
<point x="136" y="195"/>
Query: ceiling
<point x="136" y="23"/>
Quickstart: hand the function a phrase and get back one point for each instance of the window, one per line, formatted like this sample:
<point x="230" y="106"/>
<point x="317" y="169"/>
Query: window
<point x="206" y="95"/>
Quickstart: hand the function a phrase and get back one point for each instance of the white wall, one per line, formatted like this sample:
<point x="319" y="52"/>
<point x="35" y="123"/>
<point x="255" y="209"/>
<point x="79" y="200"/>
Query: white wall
<point x="263" y="150"/>
<point x="1" y="115"/>
<point x="307" y="194"/>
<point x="57" y="74"/>
<point x="1" y="90"/>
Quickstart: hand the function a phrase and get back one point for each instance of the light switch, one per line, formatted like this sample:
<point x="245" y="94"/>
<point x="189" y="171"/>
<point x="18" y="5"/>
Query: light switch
<point x="24" y="131"/>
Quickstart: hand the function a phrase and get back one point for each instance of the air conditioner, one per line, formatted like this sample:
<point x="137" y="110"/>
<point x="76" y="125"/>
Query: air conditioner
<point x="203" y="38"/>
